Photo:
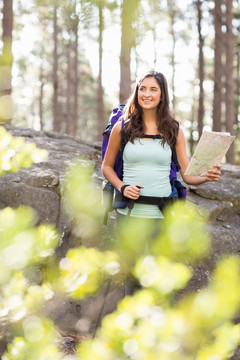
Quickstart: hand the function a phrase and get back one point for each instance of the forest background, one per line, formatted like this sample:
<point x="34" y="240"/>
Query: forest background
<point x="66" y="63"/>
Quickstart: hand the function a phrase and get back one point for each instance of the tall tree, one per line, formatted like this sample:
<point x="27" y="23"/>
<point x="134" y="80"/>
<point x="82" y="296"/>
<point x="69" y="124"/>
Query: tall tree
<point x="172" y="15"/>
<point x="128" y="36"/>
<point x="41" y="80"/>
<point x="56" y="118"/>
<point x="218" y="67"/>
<point x="200" y="67"/>
<point x="100" y="91"/>
<point x="229" y="81"/>
<point x="6" y="58"/>
<point x="76" y="70"/>
<point x="70" y="17"/>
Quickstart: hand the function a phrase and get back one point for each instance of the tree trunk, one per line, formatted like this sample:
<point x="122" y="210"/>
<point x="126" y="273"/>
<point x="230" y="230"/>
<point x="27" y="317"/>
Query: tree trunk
<point x="68" y="128"/>
<point x="41" y="97"/>
<point x="229" y="79"/>
<point x="7" y="57"/>
<point x="173" y="62"/>
<point x="75" y="79"/>
<point x="100" y="91"/>
<point x="200" y="70"/>
<point x="237" y="86"/>
<point x="6" y="60"/>
<point x="56" y="119"/>
<point x="129" y="8"/>
<point x="218" y="68"/>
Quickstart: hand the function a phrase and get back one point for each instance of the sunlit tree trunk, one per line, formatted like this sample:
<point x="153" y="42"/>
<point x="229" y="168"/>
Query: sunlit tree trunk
<point x="200" y="69"/>
<point x="7" y="57"/>
<point x="6" y="61"/>
<point x="172" y="16"/>
<point x="229" y="120"/>
<point x="100" y="91"/>
<point x="218" y="68"/>
<point x="56" y="119"/>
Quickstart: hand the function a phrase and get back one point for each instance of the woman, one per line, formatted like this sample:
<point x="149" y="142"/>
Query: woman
<point x="146" y="162"/>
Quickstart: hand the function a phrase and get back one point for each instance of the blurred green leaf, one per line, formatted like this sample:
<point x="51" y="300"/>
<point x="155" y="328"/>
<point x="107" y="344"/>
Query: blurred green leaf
<point x="84" y="270"/>
<point x="82" y="199"/>
<point x="161" y="274"/>
<point x="183" y="235"/>
<point x="22" y="244"/>
<point x="15" y="153"/>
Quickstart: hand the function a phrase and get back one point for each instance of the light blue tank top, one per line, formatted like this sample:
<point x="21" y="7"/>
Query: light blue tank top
<point x="147" y="163"/>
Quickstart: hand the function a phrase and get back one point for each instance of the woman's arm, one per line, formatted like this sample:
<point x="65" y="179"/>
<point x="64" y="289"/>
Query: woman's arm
<point x="212" y="174"/>
<point x="114" y="145"/>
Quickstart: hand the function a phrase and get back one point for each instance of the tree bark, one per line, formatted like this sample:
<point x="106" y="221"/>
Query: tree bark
<point x="229" y="121"/>
<point x="41" y="97"/>
<point x="7" y="56"/>
<point x="237" y="86"/>
<point x="218" y="68"/>
<point x="200" y="70"/>
<point x="76" y="77"/>
<point x="68" y="128"/>
<point x="56" y="119"/>
<point x="100" y="91"/>
<point x="173" y="61"/>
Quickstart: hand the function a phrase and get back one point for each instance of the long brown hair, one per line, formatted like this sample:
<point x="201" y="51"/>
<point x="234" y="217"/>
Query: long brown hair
<point x="167" y="125"/>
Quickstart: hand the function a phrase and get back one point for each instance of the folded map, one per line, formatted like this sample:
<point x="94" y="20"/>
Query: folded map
<point x="210" y="150"/>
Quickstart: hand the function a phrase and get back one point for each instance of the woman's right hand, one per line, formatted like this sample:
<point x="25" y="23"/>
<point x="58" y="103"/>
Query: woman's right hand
<point x="132" y="191"/>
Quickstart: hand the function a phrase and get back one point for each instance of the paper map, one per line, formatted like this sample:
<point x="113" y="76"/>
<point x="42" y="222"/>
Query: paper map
<point x="210" y="150"/>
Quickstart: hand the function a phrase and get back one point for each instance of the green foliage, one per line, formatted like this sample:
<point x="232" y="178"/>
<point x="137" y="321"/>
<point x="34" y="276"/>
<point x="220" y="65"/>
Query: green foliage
<point x="198" y="327"/>
<point x="38" y="341"/>
<point x="15" y="153"/>
<point x="156" y="322"/>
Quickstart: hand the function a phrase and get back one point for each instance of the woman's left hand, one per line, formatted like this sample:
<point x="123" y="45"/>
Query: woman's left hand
<point x="214" y="173"/>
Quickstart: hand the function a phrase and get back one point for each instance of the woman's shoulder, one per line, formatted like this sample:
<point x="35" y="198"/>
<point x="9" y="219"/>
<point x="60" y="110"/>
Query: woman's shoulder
<point x="180" y="135"/>
<point x="119" y="125"/>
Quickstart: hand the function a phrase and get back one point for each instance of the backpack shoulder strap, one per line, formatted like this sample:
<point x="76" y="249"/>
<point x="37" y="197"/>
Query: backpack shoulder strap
<point x="174" y="154"/>
<point x="174" y="157"/>
<point x="122" y="141"/>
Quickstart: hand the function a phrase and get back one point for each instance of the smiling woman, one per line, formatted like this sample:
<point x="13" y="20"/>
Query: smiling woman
<point x="146" y="164"/>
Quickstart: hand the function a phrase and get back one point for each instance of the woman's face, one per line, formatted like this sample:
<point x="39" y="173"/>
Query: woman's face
<point x="149" y="94"/>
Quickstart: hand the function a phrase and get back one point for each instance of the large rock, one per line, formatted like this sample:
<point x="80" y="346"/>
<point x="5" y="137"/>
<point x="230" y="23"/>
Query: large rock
<point x="39" y="187"/>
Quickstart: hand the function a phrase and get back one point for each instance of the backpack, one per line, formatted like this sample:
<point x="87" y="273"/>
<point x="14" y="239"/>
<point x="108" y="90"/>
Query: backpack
<point x="112" y="198"/>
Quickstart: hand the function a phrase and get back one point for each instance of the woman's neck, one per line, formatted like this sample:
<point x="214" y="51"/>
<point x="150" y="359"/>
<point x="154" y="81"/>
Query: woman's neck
<point x="149" y="116"/>
<point x="150" y="123"/>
